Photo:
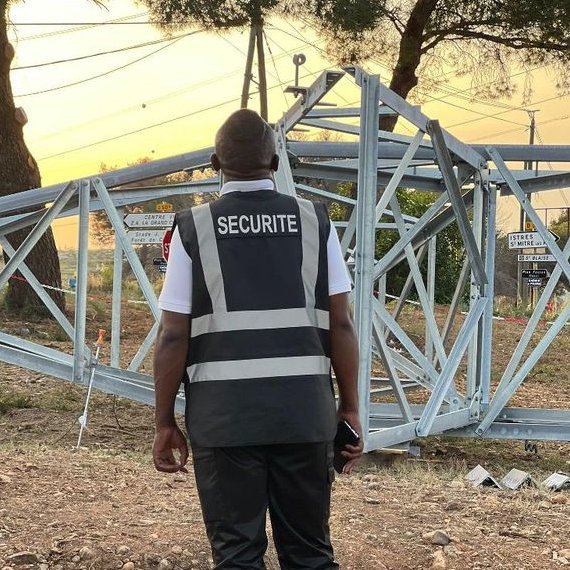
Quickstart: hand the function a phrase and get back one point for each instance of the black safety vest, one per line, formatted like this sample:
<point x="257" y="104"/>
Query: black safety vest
<point x="258" y="369"/>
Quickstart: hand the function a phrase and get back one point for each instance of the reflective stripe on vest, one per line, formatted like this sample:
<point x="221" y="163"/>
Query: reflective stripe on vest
<point x="259" y="368"/>
<point x="250" y="320"/>
<point x="208" y="247"/>
<point x="310" y="243"/>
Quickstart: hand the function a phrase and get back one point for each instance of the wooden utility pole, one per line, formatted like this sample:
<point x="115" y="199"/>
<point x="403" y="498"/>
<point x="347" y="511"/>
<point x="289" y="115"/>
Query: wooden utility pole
<point x="248" y="67"/>
<point x="262" y="74"/>
<point x="256" y="38"/>
<point x="522" y="287"/>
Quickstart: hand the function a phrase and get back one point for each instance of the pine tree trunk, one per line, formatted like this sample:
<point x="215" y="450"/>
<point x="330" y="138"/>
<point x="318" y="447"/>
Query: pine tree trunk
<point x="404" y="78"/>
<point x="19" y="171"/>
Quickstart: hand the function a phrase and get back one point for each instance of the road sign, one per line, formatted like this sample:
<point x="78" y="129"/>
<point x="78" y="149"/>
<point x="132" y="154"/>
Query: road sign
<point x="537" y="258"/>
<point x="160" y="264"/>
<point x="166" y="239"/>
<point x="139" y="237"/>
<point x="149" y="220"/>
<point x="164" y="207"/>
<point x="522" y="240"/>
<point x="529" y="226"/>
<point x="534" y="273"/>
<point x="534" y="282"/>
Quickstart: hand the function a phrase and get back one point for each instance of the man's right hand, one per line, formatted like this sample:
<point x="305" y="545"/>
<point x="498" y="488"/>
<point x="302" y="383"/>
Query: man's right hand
<point x="166" y="439"/>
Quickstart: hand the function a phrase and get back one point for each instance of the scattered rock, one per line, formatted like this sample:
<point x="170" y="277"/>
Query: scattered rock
<point x="371" y="537"/>
<point x="129" y="566"/>
<point x="44" y="566"/>
<point x="152" y="559"/>
<point x="76" y="558"/>
<point x="5" y="479"/>
<point x="368" y="478"/>
<point x="438" y="562"/>
<point x="559" y="500"/>
<point x="544" y="505"/>
<point x="565" y="552"/>
<point x="87" y="553"/>
<point x="562" y="560"/>
<point x="24" y="557"/>
<point x="373" y="485"/>
<point x="176" y="550"/>
<point x="123" y="550"/>
<point x="165" y="564"/>
<point x="372" y="501"/>
<point x="453" y="506"/>
<point x="22" y="331"/>
<point x="456" y="484"/>
<point x="437" y="537"/>
<point x="179" y="478"/>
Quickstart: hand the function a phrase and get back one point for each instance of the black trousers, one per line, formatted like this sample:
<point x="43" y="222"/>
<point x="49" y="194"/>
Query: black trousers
<point x="237" y="485"/>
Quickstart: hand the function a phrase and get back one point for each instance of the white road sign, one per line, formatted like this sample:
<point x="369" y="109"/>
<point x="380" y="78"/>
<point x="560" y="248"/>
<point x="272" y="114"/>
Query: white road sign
<point x="139" y="237"/>
<point x="149" y="220"/>
<point x="537" y="258"/>
<point x="522" y="240"/>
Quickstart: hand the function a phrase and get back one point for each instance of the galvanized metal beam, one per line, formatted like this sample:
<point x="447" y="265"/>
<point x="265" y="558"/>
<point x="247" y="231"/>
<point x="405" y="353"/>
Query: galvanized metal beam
<point x="365" y="232"/>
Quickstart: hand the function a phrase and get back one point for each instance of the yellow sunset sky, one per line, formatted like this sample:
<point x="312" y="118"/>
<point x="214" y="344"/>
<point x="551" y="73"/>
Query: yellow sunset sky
<point x="175" y="94"/>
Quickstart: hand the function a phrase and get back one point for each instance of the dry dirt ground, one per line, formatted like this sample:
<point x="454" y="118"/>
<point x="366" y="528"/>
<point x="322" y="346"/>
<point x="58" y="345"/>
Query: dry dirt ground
<point x="105" y="507"/>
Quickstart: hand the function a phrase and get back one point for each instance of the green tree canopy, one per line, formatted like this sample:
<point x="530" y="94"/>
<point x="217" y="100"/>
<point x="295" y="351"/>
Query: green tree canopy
<point x="426" y="38"/>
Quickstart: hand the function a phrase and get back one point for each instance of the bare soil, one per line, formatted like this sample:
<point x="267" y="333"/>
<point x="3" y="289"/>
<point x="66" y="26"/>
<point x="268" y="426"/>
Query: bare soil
<point x="104" y="506"/>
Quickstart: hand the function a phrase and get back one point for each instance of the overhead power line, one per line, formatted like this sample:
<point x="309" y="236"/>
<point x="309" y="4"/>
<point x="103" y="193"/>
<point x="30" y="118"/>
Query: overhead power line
<point x="87" y="79"/>
<point x="76" y="29"/>
<point x="91" y="55"/>
<point x="108" y="23"/>
<point x="192" y="86"/>
<point x="165" y="122"/>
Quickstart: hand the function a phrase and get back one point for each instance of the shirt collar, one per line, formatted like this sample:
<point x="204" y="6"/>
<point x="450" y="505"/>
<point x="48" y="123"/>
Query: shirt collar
<point x="247" y="186"/>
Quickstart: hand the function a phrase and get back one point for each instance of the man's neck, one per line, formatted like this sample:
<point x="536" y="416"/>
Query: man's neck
<point x="260" y="175"/>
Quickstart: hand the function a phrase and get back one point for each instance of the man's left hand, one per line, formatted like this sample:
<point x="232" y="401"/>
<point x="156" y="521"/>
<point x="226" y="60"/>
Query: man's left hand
<point x="352" y="452"/>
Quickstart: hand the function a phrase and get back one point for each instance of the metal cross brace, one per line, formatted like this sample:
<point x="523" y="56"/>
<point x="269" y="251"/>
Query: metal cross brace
<point x="39" y="230"/>
<point x="444" y="382"/>
<point x="446" y="167"/>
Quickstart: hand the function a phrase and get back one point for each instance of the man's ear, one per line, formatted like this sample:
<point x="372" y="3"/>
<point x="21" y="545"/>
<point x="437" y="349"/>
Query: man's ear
<point x="274" y="163"/>
<point x="215" y="162"/>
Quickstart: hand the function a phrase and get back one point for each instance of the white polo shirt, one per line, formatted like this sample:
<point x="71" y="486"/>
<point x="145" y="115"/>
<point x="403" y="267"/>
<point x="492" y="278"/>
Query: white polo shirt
<point x="176" y="295"/>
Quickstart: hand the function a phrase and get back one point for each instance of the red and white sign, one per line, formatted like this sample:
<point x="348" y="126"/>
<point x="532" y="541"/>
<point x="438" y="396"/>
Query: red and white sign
<point x="166" y="244"/>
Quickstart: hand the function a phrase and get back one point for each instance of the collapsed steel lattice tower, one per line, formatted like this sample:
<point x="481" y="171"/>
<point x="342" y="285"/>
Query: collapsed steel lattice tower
<point x="431" y="160"/>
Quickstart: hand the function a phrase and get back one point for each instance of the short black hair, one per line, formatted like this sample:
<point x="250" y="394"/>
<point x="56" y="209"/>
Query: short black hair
<point x="245" y="143"/>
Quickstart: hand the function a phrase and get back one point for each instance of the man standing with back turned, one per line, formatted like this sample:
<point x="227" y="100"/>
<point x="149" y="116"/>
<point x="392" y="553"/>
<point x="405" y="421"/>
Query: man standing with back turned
<point x="254" y="311"/>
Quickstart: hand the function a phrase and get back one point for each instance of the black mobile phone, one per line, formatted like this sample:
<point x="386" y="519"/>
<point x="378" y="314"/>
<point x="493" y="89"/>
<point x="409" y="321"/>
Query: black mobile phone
<point x="345" y="434"/>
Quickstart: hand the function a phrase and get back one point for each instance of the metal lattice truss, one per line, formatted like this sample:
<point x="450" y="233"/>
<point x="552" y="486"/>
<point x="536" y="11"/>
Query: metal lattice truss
<point x="379" y="162"/>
